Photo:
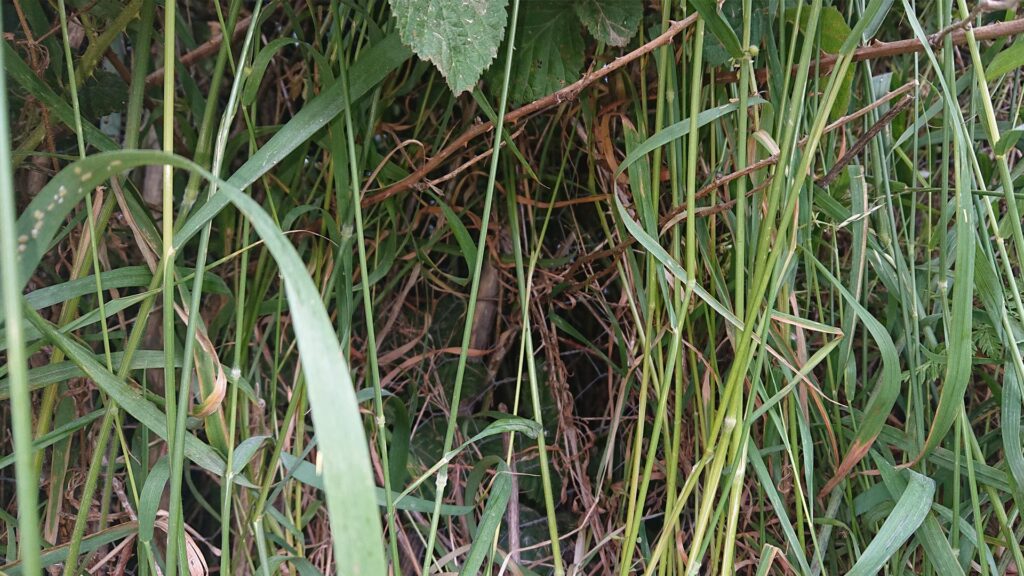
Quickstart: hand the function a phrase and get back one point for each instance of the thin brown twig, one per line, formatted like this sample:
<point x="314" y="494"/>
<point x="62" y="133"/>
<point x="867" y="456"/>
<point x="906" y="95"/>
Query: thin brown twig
<point x="879" y="50"/>
<point x="864" y="139"/>
<point x="937" y="38"/>
<point x="877" y="103"/>
<point x="571" y="92"/>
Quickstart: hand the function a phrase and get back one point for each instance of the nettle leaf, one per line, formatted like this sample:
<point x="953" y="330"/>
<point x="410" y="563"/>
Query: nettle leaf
<point x="549" y="49"/>
<point x="613" y="22"/>
<point x="460" y="37"/>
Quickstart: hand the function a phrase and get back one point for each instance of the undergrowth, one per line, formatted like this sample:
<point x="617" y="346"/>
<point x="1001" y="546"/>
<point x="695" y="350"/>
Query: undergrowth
<point x="670" y="288"/>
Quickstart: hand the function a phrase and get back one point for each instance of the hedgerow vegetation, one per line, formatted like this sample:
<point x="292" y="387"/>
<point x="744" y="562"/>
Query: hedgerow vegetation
<point x="511" y="287"/>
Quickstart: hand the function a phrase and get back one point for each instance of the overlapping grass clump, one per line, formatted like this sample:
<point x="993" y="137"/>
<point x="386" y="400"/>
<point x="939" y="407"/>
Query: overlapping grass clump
<point x="745" y="298"/>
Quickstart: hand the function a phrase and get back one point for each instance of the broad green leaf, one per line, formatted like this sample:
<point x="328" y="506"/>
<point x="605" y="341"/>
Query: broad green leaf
<point x="930" y="534"/>
<point x="104" y="93"/>
<point x="1010" y="428"/>
<point x="613" y="22"/>
<point x="872" y="18"/>
<point x="833" y="27"/>
<point x="1006" y="61"/>
<point x="549" y="49"/>
<point x="1008" y="139"/>
<point x="245" y="452"/>
<point x="718" y="26"/>
<point x="460" y="37"/>
<point x="959" y="343"/>
<point x="715" y="53"/>
<point x="908" y="514"/>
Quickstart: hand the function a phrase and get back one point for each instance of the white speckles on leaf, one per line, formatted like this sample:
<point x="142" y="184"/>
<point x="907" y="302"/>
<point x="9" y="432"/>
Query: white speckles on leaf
<point x="460" y="38"/>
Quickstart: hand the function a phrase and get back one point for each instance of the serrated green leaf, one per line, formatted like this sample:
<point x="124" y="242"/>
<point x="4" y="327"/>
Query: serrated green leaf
<point x="460" y="37"/>
<point x="613" y="22"/>
<point x="103" y="9"/>
<point x="549" y="49"/>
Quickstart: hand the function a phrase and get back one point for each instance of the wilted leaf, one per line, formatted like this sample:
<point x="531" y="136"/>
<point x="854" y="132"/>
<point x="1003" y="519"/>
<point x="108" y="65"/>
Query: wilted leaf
<point x="460" y="37"/>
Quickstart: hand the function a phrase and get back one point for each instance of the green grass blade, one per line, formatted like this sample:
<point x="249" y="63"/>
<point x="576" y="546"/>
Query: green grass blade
<point x="127" y="397"/>
<point x="678" y="130"/>
<point x="910" y="511"/>
<point x="883" y="396"/>
<point x="27" y="487"/>
<point x="490" y="521"/>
